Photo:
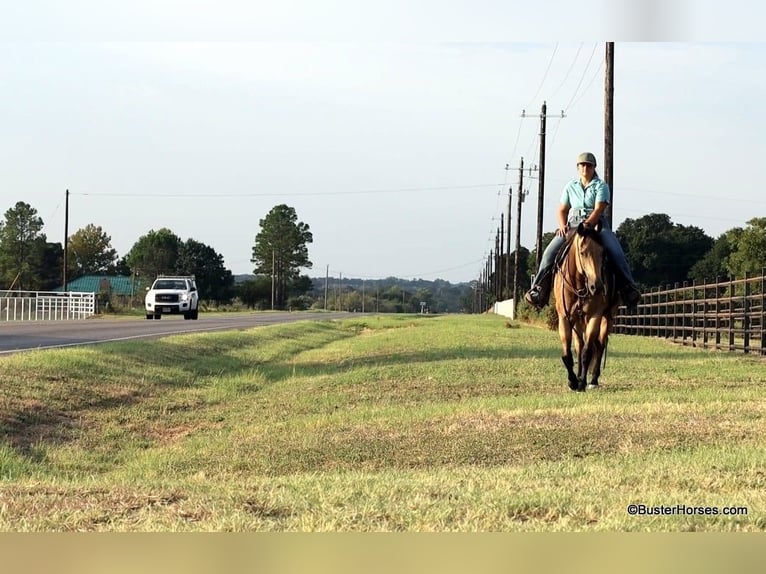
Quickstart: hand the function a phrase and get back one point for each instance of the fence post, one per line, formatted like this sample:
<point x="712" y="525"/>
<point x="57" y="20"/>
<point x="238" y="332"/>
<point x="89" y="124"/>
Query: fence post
<point x="763" y="310"/>
<point x="717" y="313"/>
<point x="746" y="316"/>
<point x="731" y="313"/>
<point x="675" y="310"/>
<point x="694" y="315"/>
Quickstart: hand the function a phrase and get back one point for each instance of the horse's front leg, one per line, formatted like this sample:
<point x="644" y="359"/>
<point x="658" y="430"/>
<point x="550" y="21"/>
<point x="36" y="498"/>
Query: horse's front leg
<point x="565" y="334"/>
<point x="592" y="352"/>
<point x="579" y="345"/>
<point x="603" y="341"/>
<point x="598" y="358"/>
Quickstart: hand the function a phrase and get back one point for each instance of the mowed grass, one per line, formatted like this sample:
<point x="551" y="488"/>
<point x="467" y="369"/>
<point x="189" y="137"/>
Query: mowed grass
<point x="382" y="423"/>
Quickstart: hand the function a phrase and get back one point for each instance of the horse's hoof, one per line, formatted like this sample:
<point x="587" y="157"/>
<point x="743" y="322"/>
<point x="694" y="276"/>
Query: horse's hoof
<point x="574" y="385"/>
<point x="592" y="386"/>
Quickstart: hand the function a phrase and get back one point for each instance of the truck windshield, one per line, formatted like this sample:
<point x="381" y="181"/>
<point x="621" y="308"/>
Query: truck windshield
<point x="170" y="285"/>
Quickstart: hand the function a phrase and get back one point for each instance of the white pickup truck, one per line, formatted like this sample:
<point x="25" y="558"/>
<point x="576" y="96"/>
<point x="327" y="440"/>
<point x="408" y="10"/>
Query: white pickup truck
<point x="172" y="295"/>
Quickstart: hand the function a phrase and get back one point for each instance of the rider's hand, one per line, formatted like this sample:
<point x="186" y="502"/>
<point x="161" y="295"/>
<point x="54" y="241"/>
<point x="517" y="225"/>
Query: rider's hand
<point x="561" y="231"/>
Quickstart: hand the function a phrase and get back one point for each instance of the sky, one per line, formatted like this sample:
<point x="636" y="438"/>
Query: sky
<point x="395" y="131"/>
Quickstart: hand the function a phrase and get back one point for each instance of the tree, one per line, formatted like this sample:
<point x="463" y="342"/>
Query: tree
<point x="154" y="253"/>
<point x="90" y="252"/>
<point x="214" y="281"/>
<point x="749" y="249"/>
<point x="714" y="264"/>
<point x="22" y="245"/>
<point x="280" y="249"/>
<point x="255" y="292"/>
<point x="660" y="252"/>
<point x="49" y="276"/>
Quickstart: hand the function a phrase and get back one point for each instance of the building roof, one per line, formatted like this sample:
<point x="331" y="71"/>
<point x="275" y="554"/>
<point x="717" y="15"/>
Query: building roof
<point x="114" y="284"/>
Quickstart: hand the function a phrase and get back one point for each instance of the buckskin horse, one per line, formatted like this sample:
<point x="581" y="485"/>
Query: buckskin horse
<point x="586" y="302"/>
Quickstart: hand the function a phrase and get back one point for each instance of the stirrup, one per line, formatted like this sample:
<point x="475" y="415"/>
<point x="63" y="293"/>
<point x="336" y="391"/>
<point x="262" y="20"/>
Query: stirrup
<point x="533" y="298"/>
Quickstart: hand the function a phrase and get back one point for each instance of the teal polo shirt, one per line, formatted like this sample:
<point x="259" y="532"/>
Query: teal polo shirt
<point x="582" y="200"/>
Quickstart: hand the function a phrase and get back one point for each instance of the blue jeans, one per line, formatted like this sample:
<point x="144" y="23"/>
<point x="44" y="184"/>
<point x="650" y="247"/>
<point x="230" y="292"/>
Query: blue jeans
<point x="611" y="244"/>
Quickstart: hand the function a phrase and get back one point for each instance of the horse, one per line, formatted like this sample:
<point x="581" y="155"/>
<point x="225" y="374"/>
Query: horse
<point x="586" y="303"/>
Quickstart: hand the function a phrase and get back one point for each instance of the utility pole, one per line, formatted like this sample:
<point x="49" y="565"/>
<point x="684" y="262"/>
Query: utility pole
<point x="326" y="279"/>
<point x="66" y="237"/>
<point x="519" y="201"/>
<point x="508" y="240"/>
<point x="273" y="259"/>
<point x="499" y="264"/>
<point x="541" y="184"/>
<point x="540" y="192"/>
<point x="501" y="268"/>
<point x="609" y="127"/>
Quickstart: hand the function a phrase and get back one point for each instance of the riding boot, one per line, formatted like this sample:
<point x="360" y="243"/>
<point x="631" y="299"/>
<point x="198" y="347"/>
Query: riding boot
<point x="539" y="294"/>
<point x="629" y="293"/>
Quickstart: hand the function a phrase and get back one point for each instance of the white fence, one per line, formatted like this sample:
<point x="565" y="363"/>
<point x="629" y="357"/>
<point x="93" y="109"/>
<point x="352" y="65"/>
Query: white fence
<point x="46" y="305"/>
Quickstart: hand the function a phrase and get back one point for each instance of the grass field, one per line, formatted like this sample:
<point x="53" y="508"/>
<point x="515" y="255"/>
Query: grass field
<point x="390" y="423"/>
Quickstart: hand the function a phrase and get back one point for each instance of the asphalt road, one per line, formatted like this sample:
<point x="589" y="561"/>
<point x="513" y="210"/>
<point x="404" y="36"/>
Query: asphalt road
<point x="29" y="335"/>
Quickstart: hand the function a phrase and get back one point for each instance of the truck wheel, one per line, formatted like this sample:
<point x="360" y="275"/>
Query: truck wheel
<point x="195" y="314"/>
<point x="158" y="316"/>
<point x="150" y="316"/>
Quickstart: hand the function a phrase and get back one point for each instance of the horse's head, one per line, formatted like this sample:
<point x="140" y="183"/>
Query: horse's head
<point x="589" y="254"/>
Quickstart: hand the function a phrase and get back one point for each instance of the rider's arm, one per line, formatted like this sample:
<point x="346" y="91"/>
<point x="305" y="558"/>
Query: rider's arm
<point x="563" y="214"/>
<point x="593" y="218"/>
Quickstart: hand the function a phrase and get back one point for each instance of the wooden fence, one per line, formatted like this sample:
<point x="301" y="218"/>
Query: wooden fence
<point x="726" y="315"/>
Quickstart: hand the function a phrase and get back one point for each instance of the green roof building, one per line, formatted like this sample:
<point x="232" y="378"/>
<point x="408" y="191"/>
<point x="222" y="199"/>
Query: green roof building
<point x="114" y="284"/>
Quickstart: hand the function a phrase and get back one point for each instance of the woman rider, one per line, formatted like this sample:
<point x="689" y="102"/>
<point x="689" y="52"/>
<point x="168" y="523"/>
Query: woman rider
<point x="583" y="200"/>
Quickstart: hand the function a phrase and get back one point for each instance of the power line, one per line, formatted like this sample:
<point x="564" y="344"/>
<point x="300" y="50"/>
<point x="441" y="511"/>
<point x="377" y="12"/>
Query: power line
<point x="585" y="91"/>
<point x="583" y="76"/>
<point x="287" y="193"/>
<point x="569" y="71"/>
<point x="534" y="98"/>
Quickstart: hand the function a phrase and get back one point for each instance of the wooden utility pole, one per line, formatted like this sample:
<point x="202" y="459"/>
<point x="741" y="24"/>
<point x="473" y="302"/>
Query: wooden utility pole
<point x="609" y="126"/>
<point x="66" y="238"/>
<point x="519" y="199"/>
<point x="273" y="278"/>
<point x="508" y="240"/>
<point x="540" y="192"/>
<point x="501" y="269"/>
<point x="541" y="184"/>
<point x="326" y="279"/>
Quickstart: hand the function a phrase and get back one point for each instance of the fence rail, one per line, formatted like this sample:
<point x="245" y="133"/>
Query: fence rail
<point x="726" y="315"/>
<point x="46" y="306"/>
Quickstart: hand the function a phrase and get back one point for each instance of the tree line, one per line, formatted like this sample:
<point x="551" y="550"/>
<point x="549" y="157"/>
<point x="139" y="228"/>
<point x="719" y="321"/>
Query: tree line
<point x="659" y="252"/>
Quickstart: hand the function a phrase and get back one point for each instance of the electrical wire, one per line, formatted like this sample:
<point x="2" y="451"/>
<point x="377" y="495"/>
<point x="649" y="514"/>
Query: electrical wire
<point x="545" y="75"/>
<point x="569" y="71"/>
<point x="582" y="76"/>
<point x="585" y="91"/>
<point x="280" y="194"/>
